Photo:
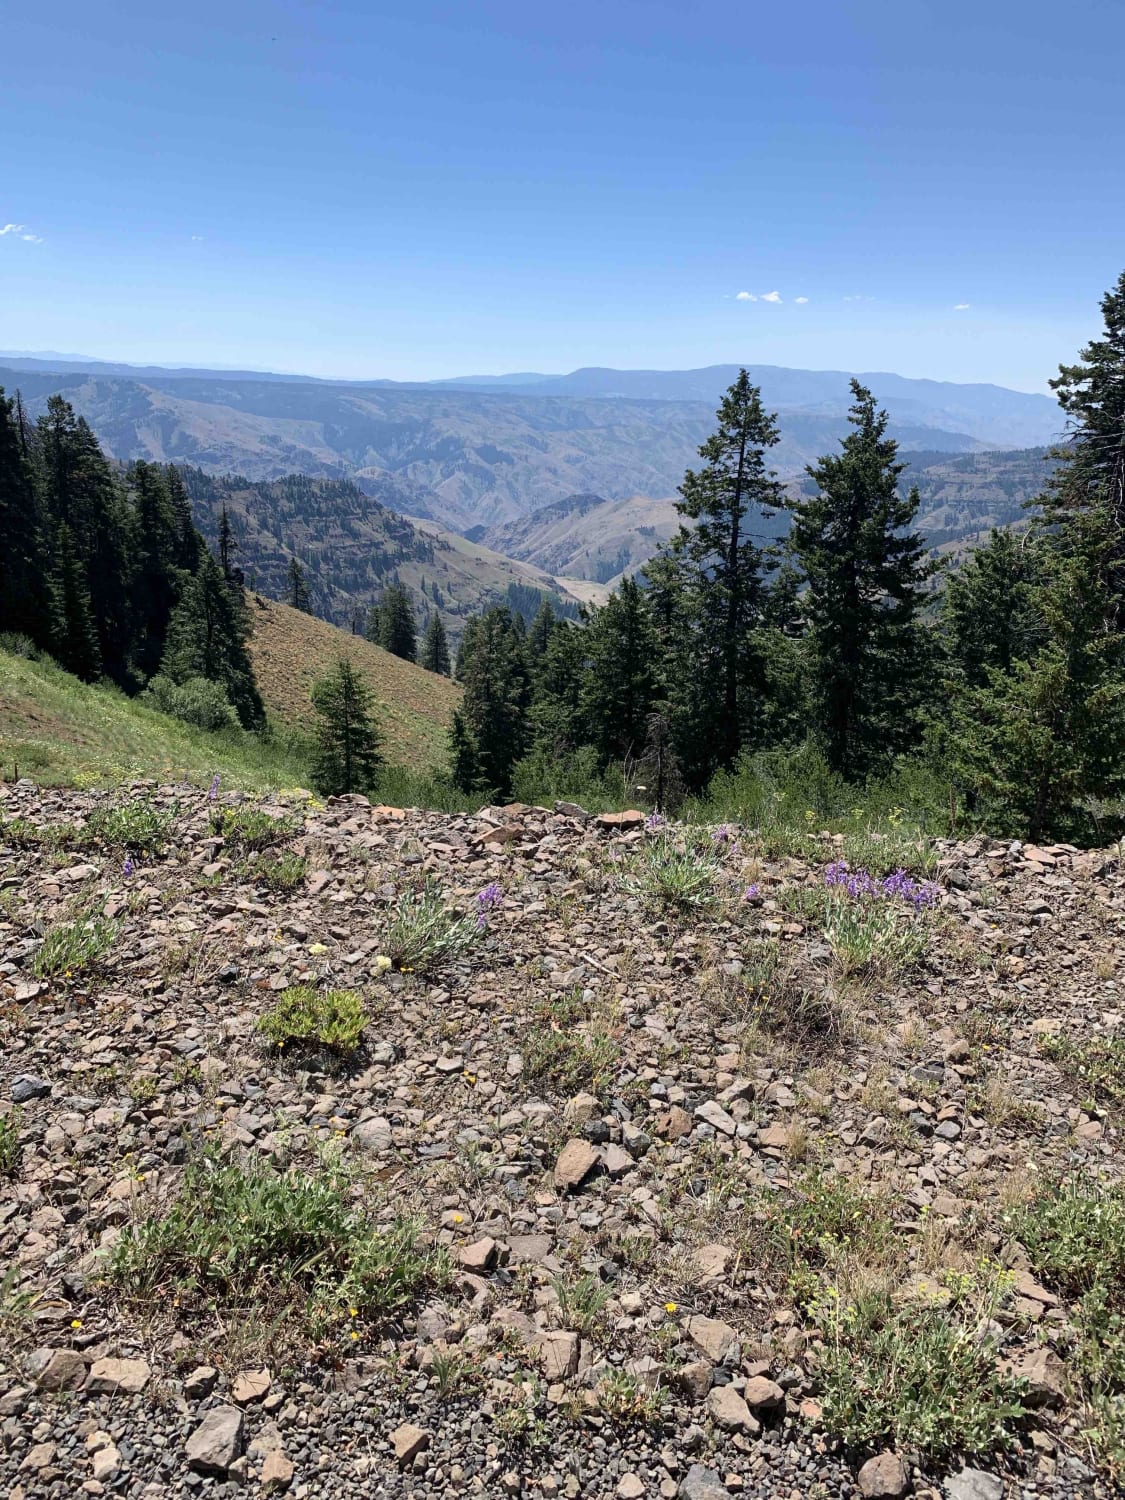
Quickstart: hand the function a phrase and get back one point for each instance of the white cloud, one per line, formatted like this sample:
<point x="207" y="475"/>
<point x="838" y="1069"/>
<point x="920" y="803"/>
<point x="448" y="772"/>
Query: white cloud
<point x="746" y="297"/>
<point x="772" y="297"/>
<point x="960" y="306"/>
<point x="800" y="299"/>
<point x="196" y="238"/>
<point x="21" y="232"/>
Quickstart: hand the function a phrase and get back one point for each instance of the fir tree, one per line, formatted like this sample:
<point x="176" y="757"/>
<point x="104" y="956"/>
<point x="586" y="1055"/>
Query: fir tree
<point x="157" y="579"/>
<point x="81" y="493"/>
<point x="25" y="599"/>
<point x="348" y="757"/>
<point x="296" y="589"/>
<point x="1091" y="476"/>
<point x="722" y="498"/>
<point x="396" y="630"/>
<point x="557" y="714"/>
<point x="496" y="700"/>
<point x="464" y="767"/>
<point x="866" y="573"/>
<point x="435" y="647"/>
<point x="227" y="545"/>
<point x="74" y="638"/>
<point x="207" y="638"/>
<point x="988" y="609"/>
<point x="621" y="681"/>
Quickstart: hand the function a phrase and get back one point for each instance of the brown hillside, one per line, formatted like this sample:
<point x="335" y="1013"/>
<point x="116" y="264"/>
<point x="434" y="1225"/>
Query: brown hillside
<point x="291" y="651"/>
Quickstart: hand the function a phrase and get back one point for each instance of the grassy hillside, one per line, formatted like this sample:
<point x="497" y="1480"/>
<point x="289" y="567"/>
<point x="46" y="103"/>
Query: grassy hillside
<point x="59" y="730"/>
<point x="291" y="651"/>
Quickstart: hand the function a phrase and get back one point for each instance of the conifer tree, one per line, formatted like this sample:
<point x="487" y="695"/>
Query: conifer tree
<point x="157" y="577"/>
<point x="228" y="546"/>
<point x="989" y="612"/>
<point x="557" y="713"/>
<point x="1091" y="476"/>
<point x="395" y="625"/>
<point x="724" y="498"/>
<point x="74" y="641"/>
<point x="621" y="681"/>
<point x="207" y="638"/>
<point x="540" y="632"/>
<point x="296" y="589"/>
<point x="866" y="573"/>
<point x="435" y="647"/>
<point x="189" y="543"/>
<point x="81" y="493"/>
<point x="463" y="765"/>
<point x="348" y="757"/>
<point x="25" y="600"/>
<point x="495" y="705"/>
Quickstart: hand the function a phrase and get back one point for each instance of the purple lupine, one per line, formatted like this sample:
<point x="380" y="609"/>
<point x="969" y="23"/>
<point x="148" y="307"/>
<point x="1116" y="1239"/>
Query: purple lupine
<point x="751" y="893"/>
<point x="836" y="873"/>
<point x="128" y="869"/>
<point x="655" y="822"/>
<point x="213" y="793"/>
<point x="488" y="900"/>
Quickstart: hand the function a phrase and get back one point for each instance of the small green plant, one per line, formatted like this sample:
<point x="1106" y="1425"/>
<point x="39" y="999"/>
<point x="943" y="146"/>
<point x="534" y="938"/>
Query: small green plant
<point x="566" y="1061"/>
<point x="296" y="1246"/>
<point x="452" y="1373"/>
<point x="281" y="872"/>
<point x="916" y="1376"/>
<point x="19" y="833"/>
<point x="138" y="827"/>
<point x="582" y="1300"/>
<point x="250" y="827"/>
<point x="10" y="1122"/>
<point x="1095" y="1063"/>
<point x="1074" y="1234"/>
<point x="625" y="1401"/>
<point x="669" y="873"/>
<point x="305" y="1016"/>
<point x="72" y="948"/>
<point x="423" y="934"/>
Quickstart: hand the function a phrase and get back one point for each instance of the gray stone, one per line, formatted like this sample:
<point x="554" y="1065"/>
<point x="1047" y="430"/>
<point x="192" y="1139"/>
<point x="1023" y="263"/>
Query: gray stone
<point x="109" y="1376"/>
<point x="576" y="1159"/>
<point x="974" y="1484"/>
<point x="27" y="1086"/>
<point x="408" y="1441"/>
<point x="884" y="1477"/>
<point x="374" y="1135"/>
<point x="715" y="1115"/>
<point x="702" y="1483"/>
<point x="730" y="1412"/>
<point x="58" y="1369"/>
<point x="715" y="1338"/>
<point x="762" y="1394"/>
<point x="217" y="1441"/>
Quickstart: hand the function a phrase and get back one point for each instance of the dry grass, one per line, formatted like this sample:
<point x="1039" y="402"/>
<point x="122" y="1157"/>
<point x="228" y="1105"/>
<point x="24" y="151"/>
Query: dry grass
<point x="291" y="651"/>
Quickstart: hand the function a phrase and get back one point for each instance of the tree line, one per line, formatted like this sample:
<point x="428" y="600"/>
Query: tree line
<point x="107" y="572"/>
<point x="1004" y="678"/>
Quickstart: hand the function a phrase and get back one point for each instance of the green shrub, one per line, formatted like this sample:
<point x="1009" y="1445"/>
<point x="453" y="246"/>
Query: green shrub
<point x="423" y="934"/>
<point x="1074" y="1234"/>
<point x="250" y="828"/>
<point x="70" y="948"/>
<point x="1095" y="1063"/>
<point x="10" y="1122"/>
<point x="18" y="833"/>
<point x="914" y="1376"/>
<point x="582" y="1300"/>
<point x="281" y="872"/>
<point x="197" y="701"/>
<point x="136" y="826"/>
<point x="306" y="1016"/>
<point x="566" y="1061"/>
<point x="669" y="873"/>
<point x="294" y="1247"/>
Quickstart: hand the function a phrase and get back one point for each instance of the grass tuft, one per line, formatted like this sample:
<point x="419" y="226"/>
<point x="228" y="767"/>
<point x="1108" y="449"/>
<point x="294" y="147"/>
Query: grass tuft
<point x="304" y="1016"/>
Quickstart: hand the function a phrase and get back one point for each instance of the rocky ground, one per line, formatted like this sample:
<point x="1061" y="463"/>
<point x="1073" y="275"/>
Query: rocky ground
<point x="606" y="1113"/>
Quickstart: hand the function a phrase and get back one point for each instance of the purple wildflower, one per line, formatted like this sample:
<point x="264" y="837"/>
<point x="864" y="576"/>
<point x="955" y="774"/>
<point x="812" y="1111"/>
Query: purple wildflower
<point x="836" y="873"/>
<point x="751" y="893"/>
<point x="655" y="822"/>
<point x="488" y="900"/>
<point x="128" y="869"/>
<point x="213" y="794"/>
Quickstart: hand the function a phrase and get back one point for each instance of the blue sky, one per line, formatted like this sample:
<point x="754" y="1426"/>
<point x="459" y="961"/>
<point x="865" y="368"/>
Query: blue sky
<point x="419" y="189"/>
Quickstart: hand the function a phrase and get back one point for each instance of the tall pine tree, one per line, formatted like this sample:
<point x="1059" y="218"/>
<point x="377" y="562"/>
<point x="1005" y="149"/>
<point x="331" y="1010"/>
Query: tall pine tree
<point x="866" y="572"/>
<point x="348" y="757"/>
<point x="621" y="682"/>
<point x="724" y="498"/>
<point x="394" y="625"/>
<point x="25" y="600"/>
<point x="207" y="638"/>
<point x="495" y="705"/>
<point x="435" y="646"/>
<point x="75" y="638"/>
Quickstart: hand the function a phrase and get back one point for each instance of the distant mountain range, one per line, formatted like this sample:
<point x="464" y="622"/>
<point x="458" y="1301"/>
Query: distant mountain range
<point x="590" y="537"/>
<point x="486" y="451"/>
